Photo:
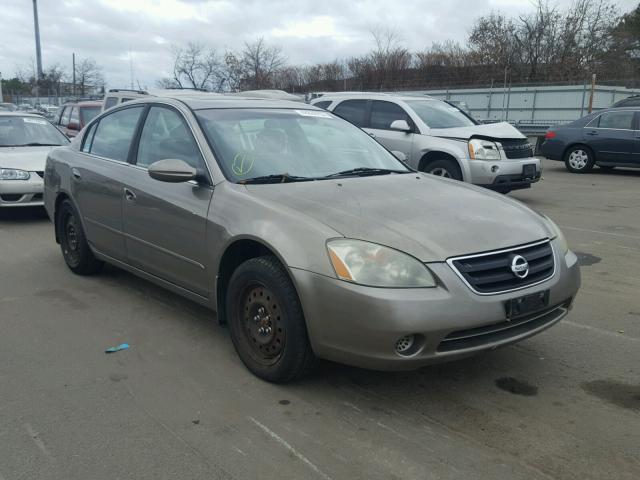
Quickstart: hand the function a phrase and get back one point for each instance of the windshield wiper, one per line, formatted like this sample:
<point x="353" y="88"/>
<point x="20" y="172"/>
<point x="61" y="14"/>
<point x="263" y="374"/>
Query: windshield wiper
<point x="36" y="144"/>
<point x="364" y="171"/>
<point x="276" y="178"/>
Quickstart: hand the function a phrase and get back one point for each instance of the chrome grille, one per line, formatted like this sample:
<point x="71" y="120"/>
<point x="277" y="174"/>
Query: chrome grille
<point x="490" y="273"/>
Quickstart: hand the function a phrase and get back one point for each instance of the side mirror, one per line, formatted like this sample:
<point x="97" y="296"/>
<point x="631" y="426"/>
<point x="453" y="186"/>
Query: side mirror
<point x="73" y="126"/>
<point x="400" y="125"/>
<point x="399" y="155"/>
<point x="172" y="171"/>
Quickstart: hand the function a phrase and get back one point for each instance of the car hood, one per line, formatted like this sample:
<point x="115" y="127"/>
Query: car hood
<point x="429" y="218"/>
<point x="502" y="130"/>
<point x="32" y="159"/>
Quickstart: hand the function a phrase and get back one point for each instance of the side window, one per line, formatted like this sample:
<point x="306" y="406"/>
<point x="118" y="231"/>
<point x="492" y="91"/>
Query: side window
<point x="632" y="102"/>
<point x="383" y="114"/>
<point x="110" y="102"/>
<point x="166" y="135"/>
<point x="124" y="99"/>
<point x="353" y="111"/>
<point x="75" y="116"/>
<point x="324" y="104"/>
<point x="618" y="120"/>
<point x="64" y="119"/>
<point x="59" y="115"/>
<point x="88" y="138"/>
<point x="114" y="133"/>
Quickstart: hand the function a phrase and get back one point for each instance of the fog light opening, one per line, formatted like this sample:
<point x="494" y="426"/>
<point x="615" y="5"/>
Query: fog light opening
<point x="495" y="168"/>
<point x="409" y="344"/>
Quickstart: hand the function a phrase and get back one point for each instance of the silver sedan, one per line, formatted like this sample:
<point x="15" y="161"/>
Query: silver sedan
<point x="25" y="141"/>
<point x="308" y="238"/>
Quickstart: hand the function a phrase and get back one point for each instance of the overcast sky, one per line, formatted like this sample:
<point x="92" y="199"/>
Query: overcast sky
<point x="309" y="31"/>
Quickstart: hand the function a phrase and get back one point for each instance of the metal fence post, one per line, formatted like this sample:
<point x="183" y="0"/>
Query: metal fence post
<point x="533" y="105"/>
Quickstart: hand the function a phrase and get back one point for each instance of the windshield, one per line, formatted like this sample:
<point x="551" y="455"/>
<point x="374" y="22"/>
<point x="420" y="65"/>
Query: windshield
<point x="437" y="114"/>
<point x="252" y="143"/>
<point x="28" y="131"/>
<point x="89" y="113"/>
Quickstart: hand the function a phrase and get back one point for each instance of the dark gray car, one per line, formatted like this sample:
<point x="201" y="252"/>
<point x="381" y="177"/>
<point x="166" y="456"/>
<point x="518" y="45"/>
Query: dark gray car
<point x="608" y="138"/>
<point x="306" y="236"/>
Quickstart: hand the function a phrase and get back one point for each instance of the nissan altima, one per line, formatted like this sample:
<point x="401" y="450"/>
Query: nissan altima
<point x="308" y="238"/>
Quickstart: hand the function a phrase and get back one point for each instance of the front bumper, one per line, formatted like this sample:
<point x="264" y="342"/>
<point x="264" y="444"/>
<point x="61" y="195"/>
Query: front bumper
<point x="504" y="174"/>
<point x="360" y="326"/>
<point x="22" y="193"/>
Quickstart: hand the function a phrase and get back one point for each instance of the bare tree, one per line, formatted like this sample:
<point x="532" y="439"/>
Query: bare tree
<point x="195" y="66"/>
<point x="88" y="75"/>
<point x="260" y="62"/>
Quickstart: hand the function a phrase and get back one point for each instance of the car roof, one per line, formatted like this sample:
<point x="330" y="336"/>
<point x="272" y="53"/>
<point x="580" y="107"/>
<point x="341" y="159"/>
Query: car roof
<point x="85" y="103"/>
<point x="204" y="101"/>
<point x="374" y="95"/>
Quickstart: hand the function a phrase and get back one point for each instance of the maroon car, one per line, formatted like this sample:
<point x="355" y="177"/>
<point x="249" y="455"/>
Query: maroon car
<point x="73" y="116"/>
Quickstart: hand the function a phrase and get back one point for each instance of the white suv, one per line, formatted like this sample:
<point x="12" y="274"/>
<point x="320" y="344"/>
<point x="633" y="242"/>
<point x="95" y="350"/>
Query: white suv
<point x="439" y="138"/>
<point x="116" y="96"/>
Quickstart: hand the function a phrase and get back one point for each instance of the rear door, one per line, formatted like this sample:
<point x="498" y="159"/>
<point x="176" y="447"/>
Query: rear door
<point x="98" y="179"/>
<point x="383" y="114"/>
<point x="165" y="223"/>
<point x="612" y="136"/>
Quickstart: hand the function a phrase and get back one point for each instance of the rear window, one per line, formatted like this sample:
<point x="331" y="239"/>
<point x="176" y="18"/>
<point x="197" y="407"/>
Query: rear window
<point x="323" y="104"/>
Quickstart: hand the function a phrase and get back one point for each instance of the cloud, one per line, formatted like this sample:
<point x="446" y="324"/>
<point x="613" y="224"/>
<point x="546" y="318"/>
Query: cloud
<point x="110" y="31"/>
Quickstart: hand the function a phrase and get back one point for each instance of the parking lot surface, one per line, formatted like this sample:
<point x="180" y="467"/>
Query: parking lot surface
<point x="179" y="403"/>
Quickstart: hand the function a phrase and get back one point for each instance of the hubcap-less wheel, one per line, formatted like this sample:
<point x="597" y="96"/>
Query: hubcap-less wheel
<point x="578" y="159"/>
<point x="263" y="329"/>
<point x="71" y="245"/>
<point x="440" y="172"/>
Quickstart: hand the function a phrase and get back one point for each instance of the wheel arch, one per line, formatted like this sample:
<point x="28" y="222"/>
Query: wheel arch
<point x="434" y="155"/>
<point x="236" y="252"/>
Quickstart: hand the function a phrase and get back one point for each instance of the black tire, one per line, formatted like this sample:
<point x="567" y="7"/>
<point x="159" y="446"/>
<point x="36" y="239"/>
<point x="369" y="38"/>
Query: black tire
<point x="444" y="168"/>
<point x="266" y="321"/>
<point x="73" y="242"/>
<point x="579" y="159"/>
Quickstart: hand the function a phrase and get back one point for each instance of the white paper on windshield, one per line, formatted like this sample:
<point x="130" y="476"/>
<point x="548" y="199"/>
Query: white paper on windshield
<point x="34" y="120"/>
<point x="313" y="113"/>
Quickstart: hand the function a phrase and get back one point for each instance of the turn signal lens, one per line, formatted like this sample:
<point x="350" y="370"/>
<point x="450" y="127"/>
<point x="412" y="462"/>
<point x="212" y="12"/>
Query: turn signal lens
<point x="550" y="134"/>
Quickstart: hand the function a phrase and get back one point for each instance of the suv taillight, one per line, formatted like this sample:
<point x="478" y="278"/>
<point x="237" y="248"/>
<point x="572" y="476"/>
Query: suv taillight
<point x="550" y="134"/>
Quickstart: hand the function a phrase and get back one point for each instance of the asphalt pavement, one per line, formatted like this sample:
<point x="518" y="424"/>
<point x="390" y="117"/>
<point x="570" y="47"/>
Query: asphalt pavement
<point x="178" y="404"/>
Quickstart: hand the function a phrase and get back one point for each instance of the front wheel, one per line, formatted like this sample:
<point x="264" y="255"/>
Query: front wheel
<point x="444" y="168"/>
<point x="266" y="321"/>
<point x="73" y="242"/>
<point x="579" y="159"/>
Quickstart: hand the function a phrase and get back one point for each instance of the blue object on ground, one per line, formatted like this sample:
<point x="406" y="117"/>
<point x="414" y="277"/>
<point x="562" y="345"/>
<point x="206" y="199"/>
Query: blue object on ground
<point x="122" y="346"/>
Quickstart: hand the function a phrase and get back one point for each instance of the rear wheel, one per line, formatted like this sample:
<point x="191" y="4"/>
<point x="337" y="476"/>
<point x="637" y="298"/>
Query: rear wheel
<point x="73" y="242"/>
<point x="266" y="321"/>
<point x="444" y="168"/>
<point x="579" y="159"/>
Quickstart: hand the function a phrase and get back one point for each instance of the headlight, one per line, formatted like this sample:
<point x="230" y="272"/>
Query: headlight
<point x="483" y="150"/>
<point x="558" y="235"/>
<point x="12" y="174"/>
<point x="377" y="266"/>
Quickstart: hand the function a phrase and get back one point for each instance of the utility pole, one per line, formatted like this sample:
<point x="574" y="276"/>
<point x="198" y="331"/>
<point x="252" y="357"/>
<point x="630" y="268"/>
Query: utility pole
<point x="593" y="88"/>
<point x="37" y="30"/>
<point x="73" y="63"/>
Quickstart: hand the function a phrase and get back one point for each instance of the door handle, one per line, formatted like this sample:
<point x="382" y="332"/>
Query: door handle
<point x="372" y="135"/>
<point x="76" y="173"/>
<point x="592" y="133"/>
<point x="129" y="195"/>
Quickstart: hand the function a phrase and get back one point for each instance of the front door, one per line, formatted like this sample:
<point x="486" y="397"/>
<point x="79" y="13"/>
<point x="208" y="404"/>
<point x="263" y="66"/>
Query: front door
<point x="611" y="136"/>
<point x="165" y="223"/>
<point x="383" y="114"/>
